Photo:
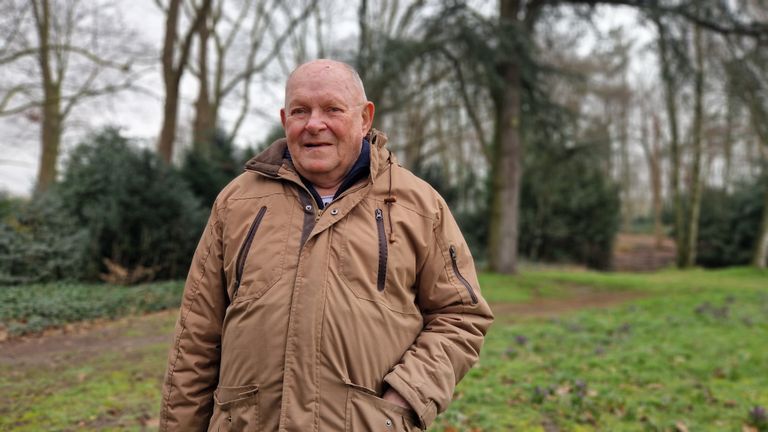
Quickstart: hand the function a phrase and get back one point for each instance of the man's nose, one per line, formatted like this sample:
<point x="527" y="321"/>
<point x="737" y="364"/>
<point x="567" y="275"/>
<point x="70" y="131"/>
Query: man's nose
<point x="316" y="123"/>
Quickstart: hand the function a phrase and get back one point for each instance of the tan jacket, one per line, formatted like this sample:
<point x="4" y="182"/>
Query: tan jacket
<point x="297" y="319"/>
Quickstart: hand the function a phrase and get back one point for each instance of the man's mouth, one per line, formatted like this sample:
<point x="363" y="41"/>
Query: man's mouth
<point x="314" y="145"/>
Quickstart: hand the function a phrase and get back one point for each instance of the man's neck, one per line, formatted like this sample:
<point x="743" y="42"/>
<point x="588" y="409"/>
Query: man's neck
<point x="359" y="170"/>
<point x="330" y="190"/>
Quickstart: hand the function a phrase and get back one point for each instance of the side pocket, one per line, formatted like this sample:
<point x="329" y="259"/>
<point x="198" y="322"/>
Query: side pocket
<point x="236" y="409"/>
<point x="368" y="412"/>
<point x="381" y="279"/>
<point x="467" y="285"/>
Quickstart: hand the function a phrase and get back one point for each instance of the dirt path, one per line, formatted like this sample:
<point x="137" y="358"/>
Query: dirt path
<point x="89" y="338"/>
<point x="581" y="298"/>
<point x="84" y="339"/>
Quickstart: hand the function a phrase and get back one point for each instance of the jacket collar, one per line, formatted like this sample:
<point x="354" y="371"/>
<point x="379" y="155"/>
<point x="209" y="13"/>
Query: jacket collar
<point x="274" y="163"/>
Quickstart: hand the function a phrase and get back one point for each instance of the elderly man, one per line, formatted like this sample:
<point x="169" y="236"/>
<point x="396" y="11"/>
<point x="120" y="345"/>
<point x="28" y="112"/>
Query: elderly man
<point x="331" y="289"/>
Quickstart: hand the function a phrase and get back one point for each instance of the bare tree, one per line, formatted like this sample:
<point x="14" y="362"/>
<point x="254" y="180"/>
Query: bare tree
<point x="246" y="38"/>
<point x="174" y="59"/>
<point x="53" y="61"/>
<point x="696" y="184"/>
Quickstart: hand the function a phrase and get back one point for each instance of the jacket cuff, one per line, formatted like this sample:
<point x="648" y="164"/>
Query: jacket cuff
<point x="426" y="413"/>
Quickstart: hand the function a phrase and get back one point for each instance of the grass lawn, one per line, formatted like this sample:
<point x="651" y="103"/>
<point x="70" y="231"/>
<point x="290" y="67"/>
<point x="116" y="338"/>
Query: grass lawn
<point x="690" y="355"/>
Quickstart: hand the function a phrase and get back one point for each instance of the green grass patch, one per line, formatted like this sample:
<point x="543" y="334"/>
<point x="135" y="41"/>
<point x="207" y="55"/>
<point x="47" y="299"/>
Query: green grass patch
<point x="697" y="359"/>
<point x="692" y="353"/>
<point x="662" y="282"/>
<point x="33" y="308"/>
<point x="97" y="390"/>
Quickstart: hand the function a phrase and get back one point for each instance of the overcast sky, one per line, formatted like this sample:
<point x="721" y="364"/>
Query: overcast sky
<point x="139" y="114"/>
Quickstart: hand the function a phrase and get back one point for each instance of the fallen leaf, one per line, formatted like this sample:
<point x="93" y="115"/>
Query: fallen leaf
<point x="681" y="427"/>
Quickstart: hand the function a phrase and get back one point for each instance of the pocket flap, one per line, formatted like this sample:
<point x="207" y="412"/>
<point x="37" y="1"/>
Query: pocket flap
<point x="225" y="396"/>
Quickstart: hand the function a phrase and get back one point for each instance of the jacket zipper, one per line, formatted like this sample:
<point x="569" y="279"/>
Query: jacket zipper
<point x="382" y="278"/>
<point x="243" y="254"/>
<point x="471" y="291"/>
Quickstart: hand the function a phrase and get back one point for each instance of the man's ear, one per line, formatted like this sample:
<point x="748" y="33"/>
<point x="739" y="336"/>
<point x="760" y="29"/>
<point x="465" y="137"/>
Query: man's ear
<point x="282" y="117"/>
<point x="368" y="111"/>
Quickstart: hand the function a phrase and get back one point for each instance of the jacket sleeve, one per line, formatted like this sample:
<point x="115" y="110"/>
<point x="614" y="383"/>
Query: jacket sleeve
<point x="456" y="318"/>
<point x="193" y="361"/>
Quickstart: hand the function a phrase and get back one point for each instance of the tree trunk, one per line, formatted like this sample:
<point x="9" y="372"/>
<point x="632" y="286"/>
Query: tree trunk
<point x="170" y="80"/>
<point x="50" y="128"/>
<point x="760" y="258"/>
<point x="694" y="206"/>
<point x="506" y="169"/>
<point x="205" y="122"/>
<point x="168" y="131"/>
<point x="626" y="166"/>
<point x="674" y="145"/>
<point x="730" y="122"/>
<point x="651" y="149"/>
<point x="50" y="135"/>
<point x="173" y="70"/>
<point x="656" y="182"/>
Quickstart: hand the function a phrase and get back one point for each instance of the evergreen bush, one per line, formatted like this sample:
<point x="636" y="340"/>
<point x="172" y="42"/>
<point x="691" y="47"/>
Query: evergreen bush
<point x="569" y="210"/>
<point x="41" y="242"/>
<point x="729" y="223"/>
<point x="137" y="210"/>
<point x="207" y="172"/>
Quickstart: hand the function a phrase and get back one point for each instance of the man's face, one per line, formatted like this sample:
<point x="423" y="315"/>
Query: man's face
<point x="325" y="119"/>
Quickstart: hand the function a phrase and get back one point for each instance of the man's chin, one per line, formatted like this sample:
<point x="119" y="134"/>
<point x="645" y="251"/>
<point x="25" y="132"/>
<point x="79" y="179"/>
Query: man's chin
<point x="316" y="169"/>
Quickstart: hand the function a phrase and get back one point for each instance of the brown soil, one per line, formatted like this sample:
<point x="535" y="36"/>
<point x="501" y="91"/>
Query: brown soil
<point x="641" y="252"/>
<point x="88" y="338"/>
<point x="580" y="298"/>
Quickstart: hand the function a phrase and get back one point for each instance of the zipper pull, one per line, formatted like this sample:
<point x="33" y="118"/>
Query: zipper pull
<point x="452" y="251"/>
<point x="379" y="214"/>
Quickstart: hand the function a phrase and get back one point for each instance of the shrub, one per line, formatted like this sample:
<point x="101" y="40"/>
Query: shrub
<point x="569" y="210"/>
<point x="39" y="242"/>
<point x="137" y="210"/>
<point x="207" y="173"/>
<point x="729" y="223"/>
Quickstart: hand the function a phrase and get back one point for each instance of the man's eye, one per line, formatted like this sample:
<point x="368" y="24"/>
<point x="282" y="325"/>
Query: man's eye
<point x="335" y="109"/>
<point x="298" y="111"/>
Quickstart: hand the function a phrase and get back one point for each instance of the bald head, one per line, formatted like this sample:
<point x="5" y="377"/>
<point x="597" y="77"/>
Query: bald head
<point x="332" y="70"/>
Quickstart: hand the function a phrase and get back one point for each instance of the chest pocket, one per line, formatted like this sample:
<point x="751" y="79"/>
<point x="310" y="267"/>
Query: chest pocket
<point x="371" y="266"/>
<point x="259" y="259"/>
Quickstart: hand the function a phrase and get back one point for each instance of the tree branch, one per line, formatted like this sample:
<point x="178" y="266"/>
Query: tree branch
<point x="275" y="50"/>
<point x="477" y="126"/>
<point x="68" y="48"/>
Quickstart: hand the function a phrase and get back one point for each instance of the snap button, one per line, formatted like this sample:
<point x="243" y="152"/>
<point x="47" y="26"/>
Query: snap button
<point x="308" y="208"/>
<point x="389" y="423"/>
<point x="335" y="211"/>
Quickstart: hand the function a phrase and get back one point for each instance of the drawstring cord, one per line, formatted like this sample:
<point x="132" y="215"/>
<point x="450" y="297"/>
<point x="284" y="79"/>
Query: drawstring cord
<point x="389" y="200"/>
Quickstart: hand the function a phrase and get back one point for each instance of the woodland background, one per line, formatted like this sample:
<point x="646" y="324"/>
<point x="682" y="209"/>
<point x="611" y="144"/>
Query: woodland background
<point x="530" y="117"/>
<point x="577" y="142"/>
